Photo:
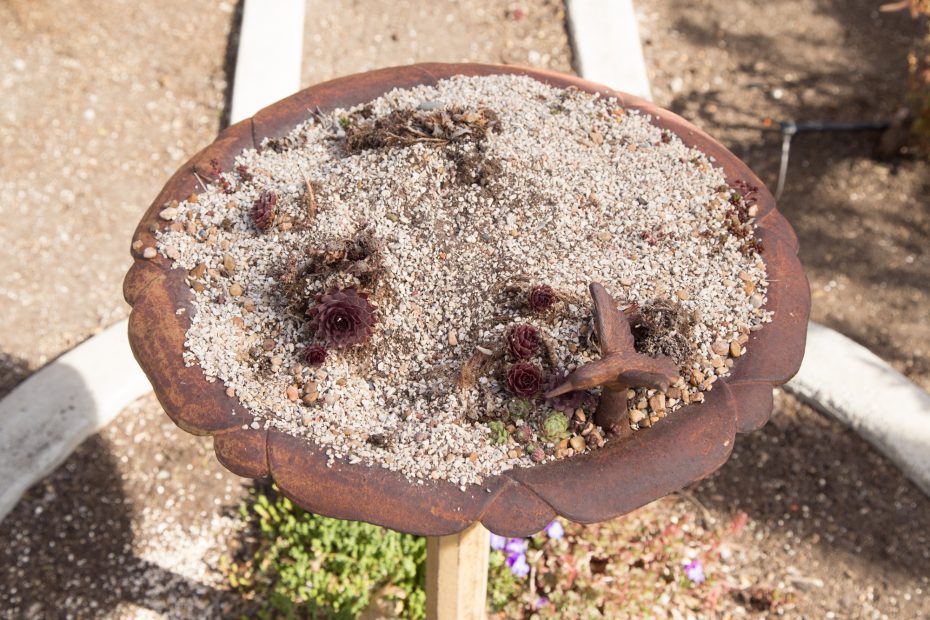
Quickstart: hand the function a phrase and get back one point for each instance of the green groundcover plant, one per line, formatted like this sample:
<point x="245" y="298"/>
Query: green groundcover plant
<point x="298" y="565"/>
<point x="302" y="565"/>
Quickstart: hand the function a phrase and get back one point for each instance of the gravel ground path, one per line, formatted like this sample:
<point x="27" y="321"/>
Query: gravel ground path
<point x="102" y="101"/>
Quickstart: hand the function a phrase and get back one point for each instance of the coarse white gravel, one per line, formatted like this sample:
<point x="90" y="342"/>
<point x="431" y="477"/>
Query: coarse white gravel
<point x="585" y="191"/>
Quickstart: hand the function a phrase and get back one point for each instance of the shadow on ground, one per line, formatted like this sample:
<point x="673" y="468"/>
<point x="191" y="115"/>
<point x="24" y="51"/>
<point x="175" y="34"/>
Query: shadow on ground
<point x="863" y="223"/>
<point x="69" y="547"/>
<point x="819" y="484"/>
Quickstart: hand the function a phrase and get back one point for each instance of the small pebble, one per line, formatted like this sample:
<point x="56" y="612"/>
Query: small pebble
<point x="149" y="253"/>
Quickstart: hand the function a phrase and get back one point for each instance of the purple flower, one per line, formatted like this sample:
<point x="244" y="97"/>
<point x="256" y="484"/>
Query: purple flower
<point x="695" y="571"/>
<point x="555" y="531"/>
<point x="541" y="602"/>
<point x="498" y="542"/>
<point x="518" y="565"/>
<point x="516" y="545"/>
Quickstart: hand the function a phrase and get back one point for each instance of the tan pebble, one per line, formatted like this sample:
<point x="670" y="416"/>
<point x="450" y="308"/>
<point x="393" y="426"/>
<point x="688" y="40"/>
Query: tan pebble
<point x="198" y="286"/>
<point x="238" y="322"/>
<point x="473" y="457"/>
<point x="646" y="422"/>
<point x="579" y="413"/>
<point x="309" y="399"/>
<point x="168" y="214"/>
<point x="173" y="253"/>
<point x="697" y="377"/>
<point x="329" y="399"/>
<point x="453" y="338"/>
<point x="268" y="344"/>
<point x="291" y="393"/>
<point x="572" y="347"/>
<point x="626" y="281"/>
<point x="716" y="361"/>
<point x="604" y="236"/>
<point x="229" y="264"/>
<point x="149" y="253"/>
<point x="519" y="451"/>
<point x="577" y="443"/>
<point x="449" y="458"/>
<point x="657" y="402"/>
<point x="674" y="392"/>
<point x="310" y="387"/>
<point x="230" y="392"/>
<point x="636" y="415"/>
<point x="193" y="198"/>
<point x="512" y="454"/>
<point x="341" y="381"/>
<point x="749" y="287"/>
<point x="745" y="277"/>
<point x="698" y="397"/>
<point x="235" y="290"/>
<point x="249" y="306"/>
<point x="756" y="301"/>
<point x="563" y="444"/>
<point x="735" y="348"/>
<point x="729" y="283"/>
<point x="719" y="347"/>
<point x="631" y="393"/>
<point x="307" y="419"/>
<point x="728" y="362"/>
<point x="743" y="339"/>
<point x="198" y="272"/>
<point x="682" y="295"/>
<point x="276" y="361"/>
<point x="753" y="211"/>
<point x="642" y="403"/>
<point x="137" y="245"/>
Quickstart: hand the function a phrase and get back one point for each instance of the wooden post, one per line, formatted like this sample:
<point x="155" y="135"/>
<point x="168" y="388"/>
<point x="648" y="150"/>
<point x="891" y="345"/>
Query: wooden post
<point x="457" y="575"/>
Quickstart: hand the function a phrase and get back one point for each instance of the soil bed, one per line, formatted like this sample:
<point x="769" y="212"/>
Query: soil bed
<point x="426" y="221"/>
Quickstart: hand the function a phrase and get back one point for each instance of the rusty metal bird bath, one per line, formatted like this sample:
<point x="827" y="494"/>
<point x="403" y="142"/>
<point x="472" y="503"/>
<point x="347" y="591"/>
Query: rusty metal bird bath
<point x="625" y="474"/>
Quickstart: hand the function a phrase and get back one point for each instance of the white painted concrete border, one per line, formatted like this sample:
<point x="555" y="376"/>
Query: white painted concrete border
<point x="48" y="415"/>
<point x="605" y="39"/>
<point x="271" y="42"/>
<point x="850" y="383"/>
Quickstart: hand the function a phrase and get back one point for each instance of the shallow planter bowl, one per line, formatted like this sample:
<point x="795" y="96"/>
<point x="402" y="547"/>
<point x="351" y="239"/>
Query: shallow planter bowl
<point x="684" y="447"/>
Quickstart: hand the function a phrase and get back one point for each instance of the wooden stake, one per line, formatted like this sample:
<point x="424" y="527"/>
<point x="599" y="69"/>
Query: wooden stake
<point x="457" y="575"/>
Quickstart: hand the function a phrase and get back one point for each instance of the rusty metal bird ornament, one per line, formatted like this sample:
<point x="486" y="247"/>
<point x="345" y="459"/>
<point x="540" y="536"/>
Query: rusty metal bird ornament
<point x="619" y="368"/>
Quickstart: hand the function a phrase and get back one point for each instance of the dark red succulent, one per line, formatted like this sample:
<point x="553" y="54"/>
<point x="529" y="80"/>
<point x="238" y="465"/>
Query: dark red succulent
<point x="264" y="210"/>
<point x="522" y="340"/>
<point x="342" y="317"/>
<point x="568" y="402"/>
<point x="541" y="297"/>
<point x="524" y="380"/>
<point x="314" y="355"/>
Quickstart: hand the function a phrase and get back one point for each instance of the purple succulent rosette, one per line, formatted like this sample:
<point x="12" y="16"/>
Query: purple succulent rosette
<point x="342" y="318"/>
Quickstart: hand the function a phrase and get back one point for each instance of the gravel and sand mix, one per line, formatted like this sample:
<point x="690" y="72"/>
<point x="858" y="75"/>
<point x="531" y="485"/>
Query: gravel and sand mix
<point x="447" y="206"/>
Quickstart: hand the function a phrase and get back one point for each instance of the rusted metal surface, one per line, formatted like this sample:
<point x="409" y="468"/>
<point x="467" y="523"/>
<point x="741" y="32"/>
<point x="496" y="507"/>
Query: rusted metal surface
<point x="620" y="477"/>
<point x="620" y="367"/>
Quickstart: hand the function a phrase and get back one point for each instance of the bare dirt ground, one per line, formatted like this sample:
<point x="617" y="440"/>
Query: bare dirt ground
<point x="738" y="68"/>
<point x="134" y="523"/>
<point x="349" y="36"/>
<point x="102" y="100"/>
